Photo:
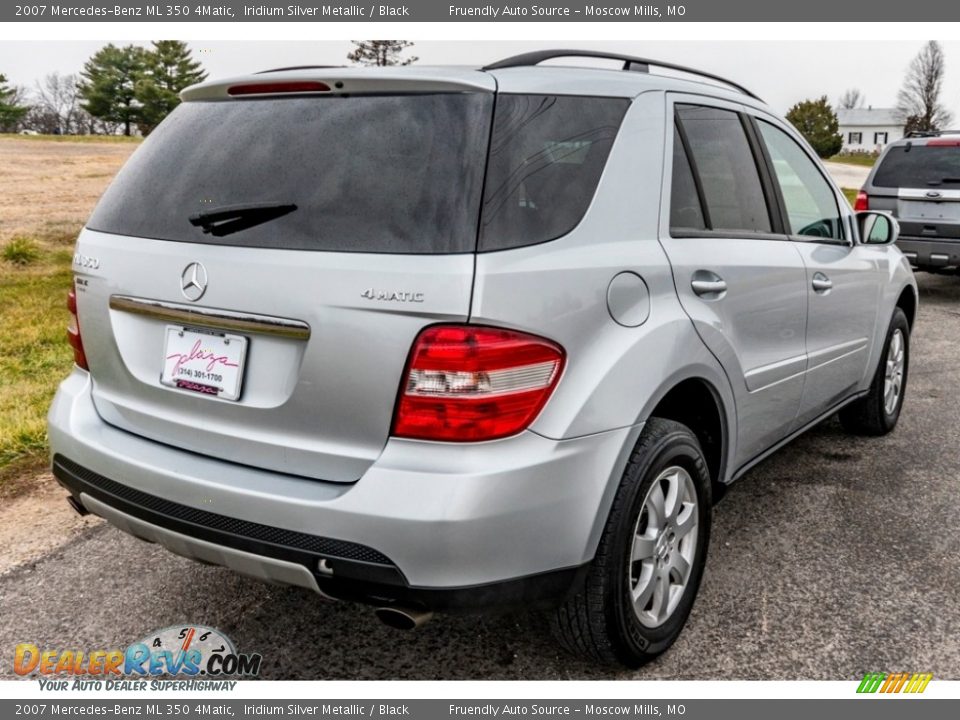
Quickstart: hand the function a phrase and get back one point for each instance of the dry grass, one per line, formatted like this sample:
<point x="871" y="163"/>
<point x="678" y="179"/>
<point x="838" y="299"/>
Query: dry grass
<point x="47" y="189"/>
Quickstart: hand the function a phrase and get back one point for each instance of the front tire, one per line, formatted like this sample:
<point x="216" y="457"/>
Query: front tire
<point x="877" y="412"/>
<point x="640" y="588"/>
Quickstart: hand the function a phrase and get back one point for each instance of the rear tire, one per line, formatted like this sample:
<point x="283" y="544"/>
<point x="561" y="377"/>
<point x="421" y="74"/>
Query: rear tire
<point x="638" y="592"/>
<point x="877" y="412"/>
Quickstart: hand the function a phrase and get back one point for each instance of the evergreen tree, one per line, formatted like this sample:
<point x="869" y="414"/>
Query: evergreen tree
<point x="817" y="122"/>
<point x="10" y="111"/>
<point x="380" y="53"/>
<point x="109" y="84"/>
<point x="169" y="69"/>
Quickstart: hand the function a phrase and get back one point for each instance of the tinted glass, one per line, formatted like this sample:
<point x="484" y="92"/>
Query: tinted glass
<point x="811" y="205"/>
<point x="727" y="169"/>
<point x="920" y="166"/>
<point x="685" y="210"/>
<point x="395" y="174"/>
<point x="546" y="156"/>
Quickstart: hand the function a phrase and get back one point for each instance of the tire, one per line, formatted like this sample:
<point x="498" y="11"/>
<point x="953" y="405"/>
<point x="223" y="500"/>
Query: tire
<point x="598" y="619"/>
<point x="873" y="414"/>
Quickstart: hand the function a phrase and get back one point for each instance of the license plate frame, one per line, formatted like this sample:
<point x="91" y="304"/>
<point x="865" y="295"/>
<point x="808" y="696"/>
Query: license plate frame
<point x="204" y="362"/>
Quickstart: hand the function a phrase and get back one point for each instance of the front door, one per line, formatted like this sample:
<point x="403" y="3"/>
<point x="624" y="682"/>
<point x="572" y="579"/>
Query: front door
<point x="843" y="280"/>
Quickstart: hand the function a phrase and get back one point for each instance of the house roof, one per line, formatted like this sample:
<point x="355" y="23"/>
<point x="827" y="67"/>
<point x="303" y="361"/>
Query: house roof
<point x="869" y="117"/>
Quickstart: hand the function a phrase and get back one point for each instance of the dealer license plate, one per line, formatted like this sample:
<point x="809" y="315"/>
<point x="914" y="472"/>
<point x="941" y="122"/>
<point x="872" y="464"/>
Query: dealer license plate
<point x="207" y="363"/>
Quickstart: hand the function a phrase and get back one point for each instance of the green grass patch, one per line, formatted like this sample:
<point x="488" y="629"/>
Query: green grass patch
<point x="850" y="194"/>
<point x="20" y="251"/>
<point x="74" y="138"/>
<point x="34" y="356"/>
<point x="861" y="159"/>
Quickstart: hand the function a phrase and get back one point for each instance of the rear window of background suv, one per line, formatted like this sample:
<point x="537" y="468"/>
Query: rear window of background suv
<point x="377" y="174"/>
<point x="919" y="166"/>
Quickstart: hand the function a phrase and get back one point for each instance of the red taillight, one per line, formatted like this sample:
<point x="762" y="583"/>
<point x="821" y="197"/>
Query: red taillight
<point x="468" y="383"/>
<point x="863" y="202"/>
<point x="73" y="331"/>
<point x="943" y="142"/>
<point x="301" y="86"/>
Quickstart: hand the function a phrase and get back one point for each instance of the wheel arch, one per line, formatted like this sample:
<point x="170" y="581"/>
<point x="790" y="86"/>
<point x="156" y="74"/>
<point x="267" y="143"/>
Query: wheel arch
<point x="696" y="403"/>
<point x="908" y="303"/>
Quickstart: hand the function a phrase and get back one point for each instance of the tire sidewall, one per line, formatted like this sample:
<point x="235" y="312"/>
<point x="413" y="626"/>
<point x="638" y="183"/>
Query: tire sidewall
<point x="681" y="448"/>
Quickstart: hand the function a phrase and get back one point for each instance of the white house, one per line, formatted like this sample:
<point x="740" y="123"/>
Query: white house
<point x="869" y="129"/>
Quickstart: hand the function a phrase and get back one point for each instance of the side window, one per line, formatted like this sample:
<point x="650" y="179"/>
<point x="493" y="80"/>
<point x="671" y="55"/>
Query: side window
<point x="685" y="210"/>
<point x="810" y="203"/>
<point x="722" y="158"/>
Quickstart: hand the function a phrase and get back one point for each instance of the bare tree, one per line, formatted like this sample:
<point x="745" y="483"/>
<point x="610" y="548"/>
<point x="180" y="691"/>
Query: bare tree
<point x="58" y="102"/>
<point x="851" y="99"/>
<point x="918" y="102"/>
<point x="380" y="52"/>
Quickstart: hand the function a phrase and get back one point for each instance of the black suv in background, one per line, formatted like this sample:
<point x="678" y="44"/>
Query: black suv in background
<point x="917" y="179"/>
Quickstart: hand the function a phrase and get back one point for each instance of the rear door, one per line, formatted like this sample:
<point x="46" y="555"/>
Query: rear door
<point x="844" y="279"/>
<point x="286" y="250"/>
<point x="738" y="277"/>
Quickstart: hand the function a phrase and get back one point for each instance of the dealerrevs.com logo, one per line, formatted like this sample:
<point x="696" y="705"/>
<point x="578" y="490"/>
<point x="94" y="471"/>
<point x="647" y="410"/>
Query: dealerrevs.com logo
<point x="188" y="651"/>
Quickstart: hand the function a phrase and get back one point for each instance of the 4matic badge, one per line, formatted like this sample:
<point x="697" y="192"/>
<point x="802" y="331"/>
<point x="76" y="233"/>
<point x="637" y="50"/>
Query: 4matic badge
<point x="392" y="296"/>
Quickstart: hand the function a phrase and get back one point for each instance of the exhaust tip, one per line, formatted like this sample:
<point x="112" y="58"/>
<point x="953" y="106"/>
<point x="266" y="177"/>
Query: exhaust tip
<point x="77" y="506"/>
<point x="400" y="618"/>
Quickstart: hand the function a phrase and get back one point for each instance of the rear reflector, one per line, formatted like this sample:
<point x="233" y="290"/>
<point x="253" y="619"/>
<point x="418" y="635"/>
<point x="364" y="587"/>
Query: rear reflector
<point x="863" y="202"/>
<point x="300" y="86"/>
<point x="73" y="331"/>
<point x="468" y="383"/>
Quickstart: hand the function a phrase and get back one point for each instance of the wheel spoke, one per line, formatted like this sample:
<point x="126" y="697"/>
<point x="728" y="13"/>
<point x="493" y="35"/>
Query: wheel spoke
<point x="687" y="520"/>
<point x="645" y="587"/>
<point x="661" y="593"/>
<point x="674" y="497"/>
<point x="643" y="547"/>
<point x="656" y="513"/>
<point x="682" y="568"/>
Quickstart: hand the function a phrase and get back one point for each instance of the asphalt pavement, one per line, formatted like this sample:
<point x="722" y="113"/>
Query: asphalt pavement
<point x="836" y="557"/>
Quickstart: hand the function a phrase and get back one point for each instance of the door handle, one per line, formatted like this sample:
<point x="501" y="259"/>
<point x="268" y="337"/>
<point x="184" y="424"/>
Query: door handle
<point x="708" y="284"/>
<point x="821" y="283"/>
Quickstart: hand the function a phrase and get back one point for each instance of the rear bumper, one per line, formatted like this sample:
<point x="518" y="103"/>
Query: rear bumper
<point x="430" y="524"/>
<point x="931" y="254"/>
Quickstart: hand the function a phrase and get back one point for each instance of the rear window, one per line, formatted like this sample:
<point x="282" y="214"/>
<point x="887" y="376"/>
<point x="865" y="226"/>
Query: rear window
<point x="391" y="174"/>
<point x="919" y="166"/>
<point x="546" y="156"/>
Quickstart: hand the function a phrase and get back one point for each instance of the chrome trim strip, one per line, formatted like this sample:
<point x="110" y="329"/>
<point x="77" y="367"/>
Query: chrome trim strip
<point x="212" y="318"/>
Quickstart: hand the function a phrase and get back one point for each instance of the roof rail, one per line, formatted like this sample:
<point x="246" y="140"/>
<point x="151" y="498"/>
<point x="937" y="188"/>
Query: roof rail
<point x="630" y="63"/>
<point x="930" y="133"/>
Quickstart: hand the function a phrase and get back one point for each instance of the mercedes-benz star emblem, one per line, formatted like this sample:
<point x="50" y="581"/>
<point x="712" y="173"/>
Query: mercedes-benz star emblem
<point x="193" y="281"/>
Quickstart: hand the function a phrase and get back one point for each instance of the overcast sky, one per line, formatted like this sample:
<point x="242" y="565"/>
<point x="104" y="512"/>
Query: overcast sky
<point x="780" y="72"/>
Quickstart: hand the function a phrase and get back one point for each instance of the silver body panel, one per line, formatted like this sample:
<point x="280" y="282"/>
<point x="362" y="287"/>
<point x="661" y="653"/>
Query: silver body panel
<point x="307" y="446"/>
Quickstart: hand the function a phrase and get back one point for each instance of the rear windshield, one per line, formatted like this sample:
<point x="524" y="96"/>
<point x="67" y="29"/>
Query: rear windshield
<point x="379" y="174"/>
<point x="391" y="174"/>
<point x="919" y="166"/>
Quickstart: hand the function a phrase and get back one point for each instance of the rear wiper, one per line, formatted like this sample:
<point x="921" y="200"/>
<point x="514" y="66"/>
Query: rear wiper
<point x="234" y="218"/>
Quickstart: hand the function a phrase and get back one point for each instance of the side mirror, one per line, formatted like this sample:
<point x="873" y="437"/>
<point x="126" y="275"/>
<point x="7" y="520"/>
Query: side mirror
<point x="877" y="228"/>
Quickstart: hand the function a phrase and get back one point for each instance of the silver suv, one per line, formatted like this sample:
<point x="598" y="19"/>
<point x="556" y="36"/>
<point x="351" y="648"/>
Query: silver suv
<point x="917" y="180"/>
<point x="440" y="339"/>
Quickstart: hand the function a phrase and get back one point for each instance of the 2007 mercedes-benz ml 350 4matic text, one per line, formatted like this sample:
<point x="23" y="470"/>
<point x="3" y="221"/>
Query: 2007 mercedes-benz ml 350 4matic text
<point x="442" y="339"/>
